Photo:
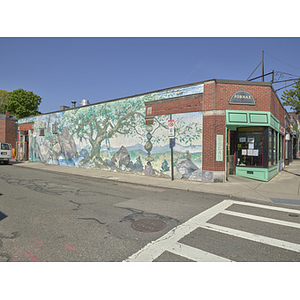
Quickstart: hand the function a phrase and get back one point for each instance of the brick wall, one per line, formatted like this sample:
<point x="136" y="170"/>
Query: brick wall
<point x="261" y="95"/>
<point x="2" y="130"/>
<point x="25" y="127"/>
<point x="216" y="96"/>
<point x="209" y="96"/>
<point x="174" y="106"/>
<point x="277" y="108"/>
<point x="212" y="125"/>
<point x="11" y="132"/>
<point x="8" y="131"/>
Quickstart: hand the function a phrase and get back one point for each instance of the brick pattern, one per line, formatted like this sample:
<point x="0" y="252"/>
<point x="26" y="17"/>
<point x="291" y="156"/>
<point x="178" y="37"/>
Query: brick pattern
<point x="8" y="131"/>
<point x="212" y="125"/>
<point x="261" y="95"/>
<point x="25" y="127"/>
<point x="277" y="108"/>
<point x="174" y="107"/>
<point x="264" y="96"/>
<point x="216" y="96"/>
<point x="3" y="130"/>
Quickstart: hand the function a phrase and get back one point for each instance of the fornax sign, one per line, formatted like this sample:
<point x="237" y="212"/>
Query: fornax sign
<point x="242" y="97"/>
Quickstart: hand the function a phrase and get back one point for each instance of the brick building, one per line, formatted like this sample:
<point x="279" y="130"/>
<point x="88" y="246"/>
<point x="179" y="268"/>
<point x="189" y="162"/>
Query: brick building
<point x="222" y="127"/>
<point x="238" y="116"/>
<point x="8" y="129"/>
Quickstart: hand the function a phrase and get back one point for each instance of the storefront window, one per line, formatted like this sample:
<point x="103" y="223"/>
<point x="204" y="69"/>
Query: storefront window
<point x="280" y="147"/>
<point x="250" y="148"/>
<point x="272" y="147"/>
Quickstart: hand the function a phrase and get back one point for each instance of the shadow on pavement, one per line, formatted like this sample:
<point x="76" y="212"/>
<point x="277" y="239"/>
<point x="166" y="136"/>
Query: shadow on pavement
<point x="291" y="173"/>
<point x="2" y="216"/>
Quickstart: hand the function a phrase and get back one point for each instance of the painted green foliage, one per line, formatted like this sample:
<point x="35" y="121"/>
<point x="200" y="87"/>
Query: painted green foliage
<point x="100" y="123"/>
<point x="112" y="135"/>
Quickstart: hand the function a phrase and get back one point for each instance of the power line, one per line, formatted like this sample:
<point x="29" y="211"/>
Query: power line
<point x="282" y="61"/>
<point x="286" y="80"/>
<point x="288" y="73"/>
<point x="285" y="87"/>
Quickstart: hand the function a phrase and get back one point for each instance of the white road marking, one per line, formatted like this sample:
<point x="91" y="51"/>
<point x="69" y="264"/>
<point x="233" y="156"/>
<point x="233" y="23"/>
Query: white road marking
<point x="262" y="219"/>
<point x="195" y="254"/>
<point x="289" y="210"/>
<point x="169" y="241"/>
<point x="254" y="237"/>
<point x="155" y="248"/>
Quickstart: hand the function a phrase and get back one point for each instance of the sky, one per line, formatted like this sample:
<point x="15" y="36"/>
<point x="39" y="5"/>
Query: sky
<point x="63" y="69"/>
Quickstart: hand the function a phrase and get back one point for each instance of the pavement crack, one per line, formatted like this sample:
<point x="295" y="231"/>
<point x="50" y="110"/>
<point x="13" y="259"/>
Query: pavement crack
<point x="2" y="236"/>
<point x="6" y="255"/>
<point x="13" y="235"/>
<point x="92" y="219"/>
<point x="78" y="205"/>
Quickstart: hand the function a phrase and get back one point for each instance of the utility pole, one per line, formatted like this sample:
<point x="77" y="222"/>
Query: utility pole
<point x="172" y="138"/>
<point x="263" y="67"/>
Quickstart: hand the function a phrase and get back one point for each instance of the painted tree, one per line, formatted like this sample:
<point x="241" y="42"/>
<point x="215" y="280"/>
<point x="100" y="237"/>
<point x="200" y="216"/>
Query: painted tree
<point x="98" y="124"/>
<point x="187" y="133"/>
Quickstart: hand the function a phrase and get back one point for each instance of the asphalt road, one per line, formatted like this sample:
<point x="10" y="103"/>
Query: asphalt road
<point x="51" y="217"/>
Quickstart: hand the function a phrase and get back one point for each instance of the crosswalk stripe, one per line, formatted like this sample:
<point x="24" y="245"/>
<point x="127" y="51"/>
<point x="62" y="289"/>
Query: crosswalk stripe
<point x="262" y="219"/>
<point x="195" y="254"/>
<point x="169" y="241"/>
<point x="155" y="248"/>
<point x="253" y="237"/>
<point x="288" y="210"/>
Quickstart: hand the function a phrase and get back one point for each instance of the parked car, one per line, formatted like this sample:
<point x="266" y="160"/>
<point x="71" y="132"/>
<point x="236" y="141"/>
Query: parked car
<point x="5" y="153"/>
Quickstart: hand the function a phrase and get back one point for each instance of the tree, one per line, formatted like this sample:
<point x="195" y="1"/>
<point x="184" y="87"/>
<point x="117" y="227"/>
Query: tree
<point x="3" y="99"/>
<point x="22" y="103"/>
<point x="291" y="97"/>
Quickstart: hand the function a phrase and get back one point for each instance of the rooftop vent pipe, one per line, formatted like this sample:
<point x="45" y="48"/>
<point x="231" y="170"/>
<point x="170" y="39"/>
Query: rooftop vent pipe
<point x="84" y="102"/>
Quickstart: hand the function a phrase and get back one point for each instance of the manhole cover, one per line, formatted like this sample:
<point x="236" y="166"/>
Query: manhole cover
<point x="148" y="225"/>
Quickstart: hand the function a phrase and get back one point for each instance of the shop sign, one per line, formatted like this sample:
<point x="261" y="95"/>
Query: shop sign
<point x="219" y="147"/>
<point x="242" y="97"/>
<point x="281" y="129"/>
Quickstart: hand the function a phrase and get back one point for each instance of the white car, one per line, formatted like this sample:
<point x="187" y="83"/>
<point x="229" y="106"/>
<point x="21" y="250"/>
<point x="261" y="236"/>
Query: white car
<point x="5" y="153"/>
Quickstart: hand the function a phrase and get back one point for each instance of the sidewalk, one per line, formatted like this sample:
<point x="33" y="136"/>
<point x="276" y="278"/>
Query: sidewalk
<point x="283" y="188"/>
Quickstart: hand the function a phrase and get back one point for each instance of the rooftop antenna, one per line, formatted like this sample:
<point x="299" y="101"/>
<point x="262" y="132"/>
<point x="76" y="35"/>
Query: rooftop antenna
<point x="262" y="76"/>
<point x="263" y="67"/>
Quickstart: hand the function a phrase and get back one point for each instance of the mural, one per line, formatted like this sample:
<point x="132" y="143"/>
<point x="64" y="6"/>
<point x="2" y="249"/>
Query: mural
<point x="113" y="136"/>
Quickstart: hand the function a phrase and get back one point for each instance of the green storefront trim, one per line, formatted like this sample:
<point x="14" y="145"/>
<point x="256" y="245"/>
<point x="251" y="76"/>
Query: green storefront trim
<point x="236" y="119"/>
<point x="240" y="118"/>
<point x="263" y="174"/>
